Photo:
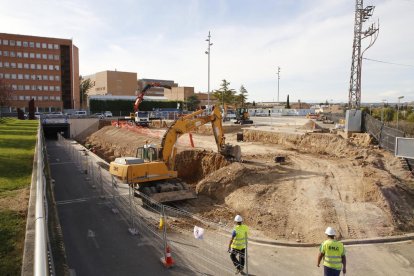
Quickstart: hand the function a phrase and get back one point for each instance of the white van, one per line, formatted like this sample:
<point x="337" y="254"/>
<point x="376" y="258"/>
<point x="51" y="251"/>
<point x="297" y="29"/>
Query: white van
<point x="80" y="113"/>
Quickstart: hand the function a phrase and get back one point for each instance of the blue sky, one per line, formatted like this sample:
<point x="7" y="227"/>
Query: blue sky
<point x="310" y="40"/>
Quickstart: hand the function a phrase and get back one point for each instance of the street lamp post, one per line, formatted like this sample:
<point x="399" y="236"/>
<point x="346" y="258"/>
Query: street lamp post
<point x="398" y="108"/>
<point x="208" y="54"/>
<point x="278" y="78"/>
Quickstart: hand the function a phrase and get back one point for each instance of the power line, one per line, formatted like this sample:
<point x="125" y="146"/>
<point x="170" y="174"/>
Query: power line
<point x="387" y="62"/>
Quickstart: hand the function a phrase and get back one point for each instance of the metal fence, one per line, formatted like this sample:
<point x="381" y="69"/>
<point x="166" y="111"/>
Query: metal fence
<point x="155" y="223"/>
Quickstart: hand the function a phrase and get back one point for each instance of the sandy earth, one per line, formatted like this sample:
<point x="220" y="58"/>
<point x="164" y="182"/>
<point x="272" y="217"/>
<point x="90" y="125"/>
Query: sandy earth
<point x="326" y="180"/>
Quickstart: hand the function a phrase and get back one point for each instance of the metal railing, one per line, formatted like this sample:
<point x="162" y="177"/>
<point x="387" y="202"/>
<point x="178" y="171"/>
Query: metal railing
<point x="144" y="215"/>
<point x="42" y="254"/>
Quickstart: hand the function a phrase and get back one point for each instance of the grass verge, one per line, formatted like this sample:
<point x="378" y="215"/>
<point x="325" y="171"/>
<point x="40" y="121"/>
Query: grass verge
<point x="17" y="145"/>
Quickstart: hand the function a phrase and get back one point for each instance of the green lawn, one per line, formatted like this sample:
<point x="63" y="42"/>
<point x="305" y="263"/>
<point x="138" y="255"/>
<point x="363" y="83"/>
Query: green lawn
<point x="17" y="144"/>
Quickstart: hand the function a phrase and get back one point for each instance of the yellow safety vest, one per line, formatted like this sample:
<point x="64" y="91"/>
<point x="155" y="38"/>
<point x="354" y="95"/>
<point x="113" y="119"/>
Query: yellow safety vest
<point x="239" y="241"/>
<point x="333" y="251"/>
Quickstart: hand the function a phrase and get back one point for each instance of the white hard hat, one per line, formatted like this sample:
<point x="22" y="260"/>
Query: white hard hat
<point x="238" y="218"/>
<point x="330" y="231"/>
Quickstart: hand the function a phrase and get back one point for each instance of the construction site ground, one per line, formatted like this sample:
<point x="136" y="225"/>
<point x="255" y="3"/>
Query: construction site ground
<point x="326" y="180"/>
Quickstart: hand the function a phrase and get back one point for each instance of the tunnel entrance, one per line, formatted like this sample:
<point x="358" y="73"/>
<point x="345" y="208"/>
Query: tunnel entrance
<point x="51" y="130"/>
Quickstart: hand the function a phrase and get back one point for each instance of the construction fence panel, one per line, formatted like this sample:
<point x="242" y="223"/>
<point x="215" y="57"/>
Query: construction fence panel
<point x="193" y="237"/>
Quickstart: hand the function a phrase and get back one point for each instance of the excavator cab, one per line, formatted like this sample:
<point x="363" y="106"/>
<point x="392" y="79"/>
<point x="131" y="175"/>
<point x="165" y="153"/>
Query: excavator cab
<point x="148" y="153"/>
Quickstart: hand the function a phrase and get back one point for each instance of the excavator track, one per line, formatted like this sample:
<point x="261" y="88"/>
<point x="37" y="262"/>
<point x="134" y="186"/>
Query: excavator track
<point x="166" y="190"/>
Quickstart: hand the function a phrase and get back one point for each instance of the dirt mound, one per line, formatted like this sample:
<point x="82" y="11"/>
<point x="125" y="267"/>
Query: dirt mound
<point x="310" y="125"/>
<point x="193" y="165"/>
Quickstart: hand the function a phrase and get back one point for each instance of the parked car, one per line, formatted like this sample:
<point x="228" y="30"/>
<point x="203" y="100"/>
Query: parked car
<point x="80" y="113"/>
<point x="98" y="115"/>
<point x="108" y="114"/>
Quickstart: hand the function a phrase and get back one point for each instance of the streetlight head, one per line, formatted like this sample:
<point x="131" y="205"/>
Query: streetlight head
<point x="400" y="97"/>
<point x="206" y="52"/>
<point x="211" y="44"/>
<point x="207" y="39"/>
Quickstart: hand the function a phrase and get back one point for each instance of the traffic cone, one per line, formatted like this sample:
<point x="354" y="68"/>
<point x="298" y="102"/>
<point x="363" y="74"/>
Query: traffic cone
<point x="168" y="260"/>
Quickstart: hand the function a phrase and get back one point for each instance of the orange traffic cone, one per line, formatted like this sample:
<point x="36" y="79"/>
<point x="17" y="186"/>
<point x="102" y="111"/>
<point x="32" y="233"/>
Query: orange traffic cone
<point x="168" y="260"/>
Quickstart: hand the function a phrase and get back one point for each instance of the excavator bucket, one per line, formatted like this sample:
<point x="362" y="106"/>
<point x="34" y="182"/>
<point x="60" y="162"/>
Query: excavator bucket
<point x="232" y="152"/>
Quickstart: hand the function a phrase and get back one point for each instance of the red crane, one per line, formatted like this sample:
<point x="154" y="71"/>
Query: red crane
<point x="140" y="97"/>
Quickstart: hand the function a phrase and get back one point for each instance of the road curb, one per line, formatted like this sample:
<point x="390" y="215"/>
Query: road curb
<point x="377" y="240"/>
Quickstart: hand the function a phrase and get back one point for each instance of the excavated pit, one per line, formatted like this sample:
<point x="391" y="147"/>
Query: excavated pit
<point x="326" y="180"/>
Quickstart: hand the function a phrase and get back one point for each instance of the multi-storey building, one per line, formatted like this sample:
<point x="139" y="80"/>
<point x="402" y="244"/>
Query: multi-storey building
<point x="155" y="91"/>
<point x="113" y="83"/>
<point x="40" y="68"/>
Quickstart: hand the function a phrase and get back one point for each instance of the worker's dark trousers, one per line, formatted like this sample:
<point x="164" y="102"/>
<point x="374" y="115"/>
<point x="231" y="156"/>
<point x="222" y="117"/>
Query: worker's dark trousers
<point x="238" y="263"/>
<point x="330" y="271"/>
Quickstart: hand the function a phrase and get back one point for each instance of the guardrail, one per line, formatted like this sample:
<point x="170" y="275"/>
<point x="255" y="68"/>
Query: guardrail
<point x="41" y="258"/>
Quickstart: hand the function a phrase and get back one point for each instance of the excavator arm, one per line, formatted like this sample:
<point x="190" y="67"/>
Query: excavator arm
<point x="189" y="123"/>
<point x="140" y="97"/>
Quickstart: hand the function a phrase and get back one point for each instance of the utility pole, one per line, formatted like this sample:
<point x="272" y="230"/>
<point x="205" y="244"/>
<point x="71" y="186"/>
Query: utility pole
<point x="361" y="15"/>
<point x="208" y="74"/>
<point x="278" y="78"/>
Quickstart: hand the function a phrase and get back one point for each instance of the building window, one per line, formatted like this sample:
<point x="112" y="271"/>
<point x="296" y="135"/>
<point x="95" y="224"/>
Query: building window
<point x="20" y="76"/>
<point x="13" y="65"/>
<point x="34" y="77"/>
<point x="27" y="98"/>
<point x="32" y="55"/>
<point x="57" y="88"/>
<point x="14" y="86"/>
<point x="1" y="75"/>
<point x="33" y="66"/>
<point x="44" y="66"/>
<point x="19" y="65"/>
<point x="38" y="66"/>
<point x="26" y="76"/>
<point x="25" y="44"/>
<point x="37" y="44"/>
<point x="1" y="64"/>
<point x="38" y="55"/>
<point x="1" y="53"/>
<point x="50" y="67"/>
<point x="32" y="44"/>
<point x="26" y="66"/>
<point x="13" y="76"/>
<point x="7" y="76"/>
<point x="57" y="77"/>
<point x="6" y="53"/>
<point x="57" y="67"/>
<point x="52" y="98"/>
<point x="27" y="87"/>
<point x="45" y="88"/>
<point x="26" y="55"/>
<point x="44" y="45"/>
<point x="39" y="88"/>
<point x="50" y="46"/>
<point x="21" y="98"/>
<point x="40" y="98"/>
<point x="56" y="57"/>
<point x="44" y="56"/>
<point x="12" y="54"/>
<point x="34" y="87"/>
<point x="51" y="88"/>
<point x="5" y="42"/>
<point x="19" y="54"/>
<point x="51" y="77"/>
<point x="20" y="87"/>
<point x="46" y="98"/>
<point x="12" y="43"/>
<point x="55" y="46"/>
<point x="18" y="43"/>
<point x="6" y="64"/>
<point x="50" y="57"/>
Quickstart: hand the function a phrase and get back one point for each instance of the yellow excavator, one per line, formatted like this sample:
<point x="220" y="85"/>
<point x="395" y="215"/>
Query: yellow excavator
<point x="151" y="172"/>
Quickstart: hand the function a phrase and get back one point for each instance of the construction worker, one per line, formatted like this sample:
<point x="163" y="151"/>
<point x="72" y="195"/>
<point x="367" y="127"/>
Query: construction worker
<point x="238" y="243"/>
<point x="333" y="254"/>
<point x="146" y="149"/>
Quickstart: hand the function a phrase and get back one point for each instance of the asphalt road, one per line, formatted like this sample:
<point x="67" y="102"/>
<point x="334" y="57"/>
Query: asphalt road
<point x="97" y="241"/>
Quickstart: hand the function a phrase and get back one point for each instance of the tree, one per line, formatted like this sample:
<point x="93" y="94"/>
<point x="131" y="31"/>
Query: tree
<point x="225" y="94"/>
<point x="5" y="94"/>
<point x="84" y="86"/>
<point x="287" y="102"/>
<point x="242" y="97"/>
<point x="193" y="102"/>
